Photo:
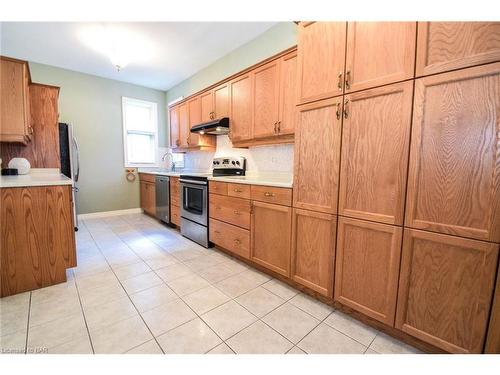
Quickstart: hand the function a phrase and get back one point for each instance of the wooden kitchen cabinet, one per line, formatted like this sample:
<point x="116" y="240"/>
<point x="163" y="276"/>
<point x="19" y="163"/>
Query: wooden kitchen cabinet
<point x="174" y="127"/>
<point x="230" y="237"/>
<point x="241" y="115"/>
<point x="313" y="250"/>
<point x="266" y="96"/>
<point x="221" y="101"/>
<point x="445" y="290"/>
<point x="317" y="156"/>
<point x="445" y="46"/>
<point x="454" y="170"/>
<point x="183" y="125"/>
<point x="321" y="58"/>
<point x="194" y="115"/>
<point x="207" y="106"/>
<point x="235" y="211"/>
<point x="37" y="237"/>
<point x="367" y="267"/>
<point x="493" y="339"/>
<point x="175" y="201"/>
<point x="379" y="53"/>
<point x="270" y="232"/>
<point x="288" y="94"/>
<point x="375" y="147"/>
<point x="148" y="197"/>
<point x="15" y="119"/>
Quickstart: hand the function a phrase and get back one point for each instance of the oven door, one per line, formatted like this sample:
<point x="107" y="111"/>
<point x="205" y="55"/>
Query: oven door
<point x="194" y="201"/>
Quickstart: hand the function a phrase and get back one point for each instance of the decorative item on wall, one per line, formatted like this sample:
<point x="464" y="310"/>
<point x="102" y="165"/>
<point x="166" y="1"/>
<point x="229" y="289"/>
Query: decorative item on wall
<point x="130" y="174"/>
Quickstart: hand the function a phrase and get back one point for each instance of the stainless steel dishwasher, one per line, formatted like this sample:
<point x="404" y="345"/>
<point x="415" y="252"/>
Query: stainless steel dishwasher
<point x="163" y="198"/>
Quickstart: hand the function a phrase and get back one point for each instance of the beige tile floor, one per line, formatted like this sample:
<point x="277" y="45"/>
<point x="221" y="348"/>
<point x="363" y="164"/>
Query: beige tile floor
<point x="141" y="287"/>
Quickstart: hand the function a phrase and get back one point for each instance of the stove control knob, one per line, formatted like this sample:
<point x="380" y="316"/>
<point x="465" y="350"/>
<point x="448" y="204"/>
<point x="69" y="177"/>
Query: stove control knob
<point x="233" y="162"/>
<point x="237" y="163"/>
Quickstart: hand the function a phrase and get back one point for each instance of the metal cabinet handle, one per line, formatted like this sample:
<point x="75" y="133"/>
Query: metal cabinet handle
<point x="237" y="241"/>
<point x="279" y="126"/>
<point x="268" y="194"/>
<point x="346" y="108"/>
<point x="236" y="190"/>
<point x="337" y="111"/>
<point x="30" y="129"/>
<point x="339" y="82"/>
<point x="216" y="231"/>
<point x="348" y="79"/>
<point x="275" y="131"/>
<point x="217" y="207"/>
<point x="236" y="212"/>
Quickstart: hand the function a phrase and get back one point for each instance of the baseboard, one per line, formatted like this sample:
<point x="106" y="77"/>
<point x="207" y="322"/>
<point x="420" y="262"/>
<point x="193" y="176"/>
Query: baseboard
<point x="95" y="215"/>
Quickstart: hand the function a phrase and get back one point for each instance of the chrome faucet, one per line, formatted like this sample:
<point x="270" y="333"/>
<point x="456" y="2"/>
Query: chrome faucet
<point x="172" y="164"/>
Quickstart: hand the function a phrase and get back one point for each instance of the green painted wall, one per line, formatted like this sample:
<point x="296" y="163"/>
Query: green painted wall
<point x="276" y="39"/>
<point x="94" y="106"/>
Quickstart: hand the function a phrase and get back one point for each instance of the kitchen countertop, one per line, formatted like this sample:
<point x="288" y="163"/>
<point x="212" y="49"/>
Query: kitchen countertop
<point x="283" y="180"/>
<point x="36" y="177"/>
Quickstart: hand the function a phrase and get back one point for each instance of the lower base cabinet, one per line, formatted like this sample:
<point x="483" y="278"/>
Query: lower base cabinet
<point x="230" y="237"/>
<point x="37" y="237"/>
<point x="270" y="236"/>
<point x="493" y="339"/>
<point x="175" y="215"/>
<point x="445" y="290"/>
<point x="313" y="250"/>
<point x="148" y="197"/>
<point x="367" y="267"/>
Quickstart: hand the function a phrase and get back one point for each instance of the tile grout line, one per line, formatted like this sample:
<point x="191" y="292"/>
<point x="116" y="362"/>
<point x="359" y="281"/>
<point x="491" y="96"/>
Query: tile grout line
<point x="27" y="327"/>
<point x="84" y="317"/>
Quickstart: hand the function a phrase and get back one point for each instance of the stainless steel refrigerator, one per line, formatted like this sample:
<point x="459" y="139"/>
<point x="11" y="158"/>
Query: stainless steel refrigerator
<point x="70" y="160"/>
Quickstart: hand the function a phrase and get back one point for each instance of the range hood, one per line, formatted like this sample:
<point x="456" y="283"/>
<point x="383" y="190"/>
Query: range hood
<point x="215" y="127"/>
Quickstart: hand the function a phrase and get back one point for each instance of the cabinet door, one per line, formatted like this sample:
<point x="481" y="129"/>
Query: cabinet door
<point x="375" y="146"/>
<point x="194" y="116"/>
<point x="241" y="108"/>
<point x="270" y="232"/>
<point x="266" y="100"/>
<point x="14" y="106"/>
<point x="288" y="94"/>
<point x="313" y="250"/>
<point x="221" y="100"/>
<point x="367" y="267"/>
<point x="379" y="53"/>
<point x="493" y="339"/>
<point x="317" y="155"/>
<point x="445" y="290"/>
<point x="454" y="175"/>
<point x="321" y="55"/>
<point x="174" y="126"/>
<point x="207" y="106"/>
<point x="148" y="197"/>
<point x="444" y="46"/>
<point x="183" y="125"/>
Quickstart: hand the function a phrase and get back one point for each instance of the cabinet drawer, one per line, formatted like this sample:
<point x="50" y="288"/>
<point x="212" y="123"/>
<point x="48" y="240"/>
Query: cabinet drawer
<point x="272" y="195"/>
<point x="217" y="187"/>
<point x="238" y="190"/>
<point x="175" y="215"/>
<point x="147" y="177"/>
<point x="229" y="237"/>
<point x="230" y="210"/>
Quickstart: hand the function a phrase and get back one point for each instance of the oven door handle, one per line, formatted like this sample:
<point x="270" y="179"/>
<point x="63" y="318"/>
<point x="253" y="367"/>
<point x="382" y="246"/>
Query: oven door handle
<point x="193" y="182"/>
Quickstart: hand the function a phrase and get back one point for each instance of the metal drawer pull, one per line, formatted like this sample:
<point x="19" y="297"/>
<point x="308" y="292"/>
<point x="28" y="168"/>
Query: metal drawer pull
<point x="339" y="83"/>
<point x="346" y="108"/>
<point x="348" y="79"/>
<point x="236" y="212"/>
<point x="237" y="241"/>
<point x="236" y="190"/>
<point x="216" y="231"/>
<point x="268" y="194"/>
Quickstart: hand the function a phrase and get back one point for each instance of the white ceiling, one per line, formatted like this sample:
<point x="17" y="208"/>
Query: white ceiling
<point x="164" y="54"/>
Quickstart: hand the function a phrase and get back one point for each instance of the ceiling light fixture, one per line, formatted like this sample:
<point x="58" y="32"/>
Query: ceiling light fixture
<point x="121" y="44"/>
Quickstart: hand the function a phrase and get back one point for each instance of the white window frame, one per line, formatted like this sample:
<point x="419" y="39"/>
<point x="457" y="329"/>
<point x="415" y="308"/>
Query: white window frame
<point x="154" y="108"/>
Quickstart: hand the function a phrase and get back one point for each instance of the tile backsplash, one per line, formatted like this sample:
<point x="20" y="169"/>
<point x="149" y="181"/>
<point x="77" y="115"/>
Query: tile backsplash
<point x="260" y="159"/>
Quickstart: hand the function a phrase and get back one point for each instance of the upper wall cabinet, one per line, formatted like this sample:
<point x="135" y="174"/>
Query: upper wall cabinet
<point x="375" y="145"/>
<point x="454" y="172"/>
<point x="379" y="53"/>
<point x="15" y="106"/>
<point x="317" y="156"/>
<point x="321" y="57"/>
<point x="444" y="46"/>
<point x="183" y="125"/>
<point x="266" y="90"/>
<point x="445" y="290"/>
<point x="288" y="94"/>
<point x="221" y="101"/>
<point x="207" y="106"/>
<point x="194" y="114"/>
<point x="241" y="114"/>
<point x="174" y="127"/>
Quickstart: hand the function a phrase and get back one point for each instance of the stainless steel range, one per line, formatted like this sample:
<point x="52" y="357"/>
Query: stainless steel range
<point x="194" y="194"/>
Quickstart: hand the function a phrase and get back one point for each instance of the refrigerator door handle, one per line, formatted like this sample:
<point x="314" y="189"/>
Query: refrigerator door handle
<point x="77" y="174"/>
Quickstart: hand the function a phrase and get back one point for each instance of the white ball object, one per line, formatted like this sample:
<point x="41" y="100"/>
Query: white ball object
<point x="21" y="164"/>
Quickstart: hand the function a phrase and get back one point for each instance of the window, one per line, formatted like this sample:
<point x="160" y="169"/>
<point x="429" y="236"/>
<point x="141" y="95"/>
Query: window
<point x="140" y="132"/>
